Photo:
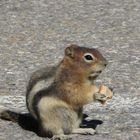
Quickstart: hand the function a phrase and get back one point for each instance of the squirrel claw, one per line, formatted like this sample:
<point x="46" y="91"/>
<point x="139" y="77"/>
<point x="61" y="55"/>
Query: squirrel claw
<point x="100" y="97"/>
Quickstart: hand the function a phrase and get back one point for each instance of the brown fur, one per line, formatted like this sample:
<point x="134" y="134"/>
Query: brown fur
<point x="73" y="75"/>
<point x="58" y="107"/>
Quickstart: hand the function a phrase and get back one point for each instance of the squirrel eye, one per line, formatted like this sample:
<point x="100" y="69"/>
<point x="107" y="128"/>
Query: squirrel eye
<point x="88" y="57"/>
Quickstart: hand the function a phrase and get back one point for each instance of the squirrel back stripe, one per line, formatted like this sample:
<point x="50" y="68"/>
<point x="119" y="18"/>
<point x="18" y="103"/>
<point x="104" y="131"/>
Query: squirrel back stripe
<point x="40" y="85"/>
<point x="56" y="95"/>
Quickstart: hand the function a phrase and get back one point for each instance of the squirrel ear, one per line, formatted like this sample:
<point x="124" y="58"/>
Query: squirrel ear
<point x="69" y="51"/>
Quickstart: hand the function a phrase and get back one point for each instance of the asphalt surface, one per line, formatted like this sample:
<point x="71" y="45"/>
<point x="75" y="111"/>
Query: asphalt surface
<point x="34" y="33"/>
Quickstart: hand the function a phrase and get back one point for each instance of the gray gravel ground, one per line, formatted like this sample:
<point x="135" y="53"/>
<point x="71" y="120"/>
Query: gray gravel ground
<point x="33" y="33"/>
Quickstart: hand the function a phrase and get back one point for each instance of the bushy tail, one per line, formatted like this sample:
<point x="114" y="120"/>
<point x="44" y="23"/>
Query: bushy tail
<point x="25" y="120"/>
<point x="10" y="116"/>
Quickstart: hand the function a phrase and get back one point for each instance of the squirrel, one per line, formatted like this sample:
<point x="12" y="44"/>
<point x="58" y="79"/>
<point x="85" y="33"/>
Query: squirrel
<point x="56" y="95"/>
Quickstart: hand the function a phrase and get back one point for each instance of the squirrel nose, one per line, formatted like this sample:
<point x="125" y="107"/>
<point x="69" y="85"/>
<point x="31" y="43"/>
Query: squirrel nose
<point x="105" y="63"/>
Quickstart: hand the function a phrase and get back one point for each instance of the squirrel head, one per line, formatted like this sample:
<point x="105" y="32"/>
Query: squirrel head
<point x="88" y="62"/>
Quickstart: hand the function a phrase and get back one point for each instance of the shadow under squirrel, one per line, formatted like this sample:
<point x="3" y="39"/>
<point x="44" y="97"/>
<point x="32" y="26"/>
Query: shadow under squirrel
<point x="56" y="95"/>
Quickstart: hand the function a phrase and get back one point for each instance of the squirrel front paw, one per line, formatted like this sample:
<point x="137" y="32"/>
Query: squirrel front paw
<point x="104" y="94"/>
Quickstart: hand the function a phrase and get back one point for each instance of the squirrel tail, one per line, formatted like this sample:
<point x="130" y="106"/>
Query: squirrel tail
<point x="6" y="114"/>
<point x="25" y="120"/>
<point x="9" y="115"/>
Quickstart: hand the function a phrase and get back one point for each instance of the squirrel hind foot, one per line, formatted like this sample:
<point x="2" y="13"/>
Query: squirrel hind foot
<point x="84" y="131"/>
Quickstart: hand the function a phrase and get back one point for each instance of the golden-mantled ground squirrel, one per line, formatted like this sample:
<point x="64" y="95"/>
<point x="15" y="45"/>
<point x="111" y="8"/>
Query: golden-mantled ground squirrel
<point x="55" y="96"/>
